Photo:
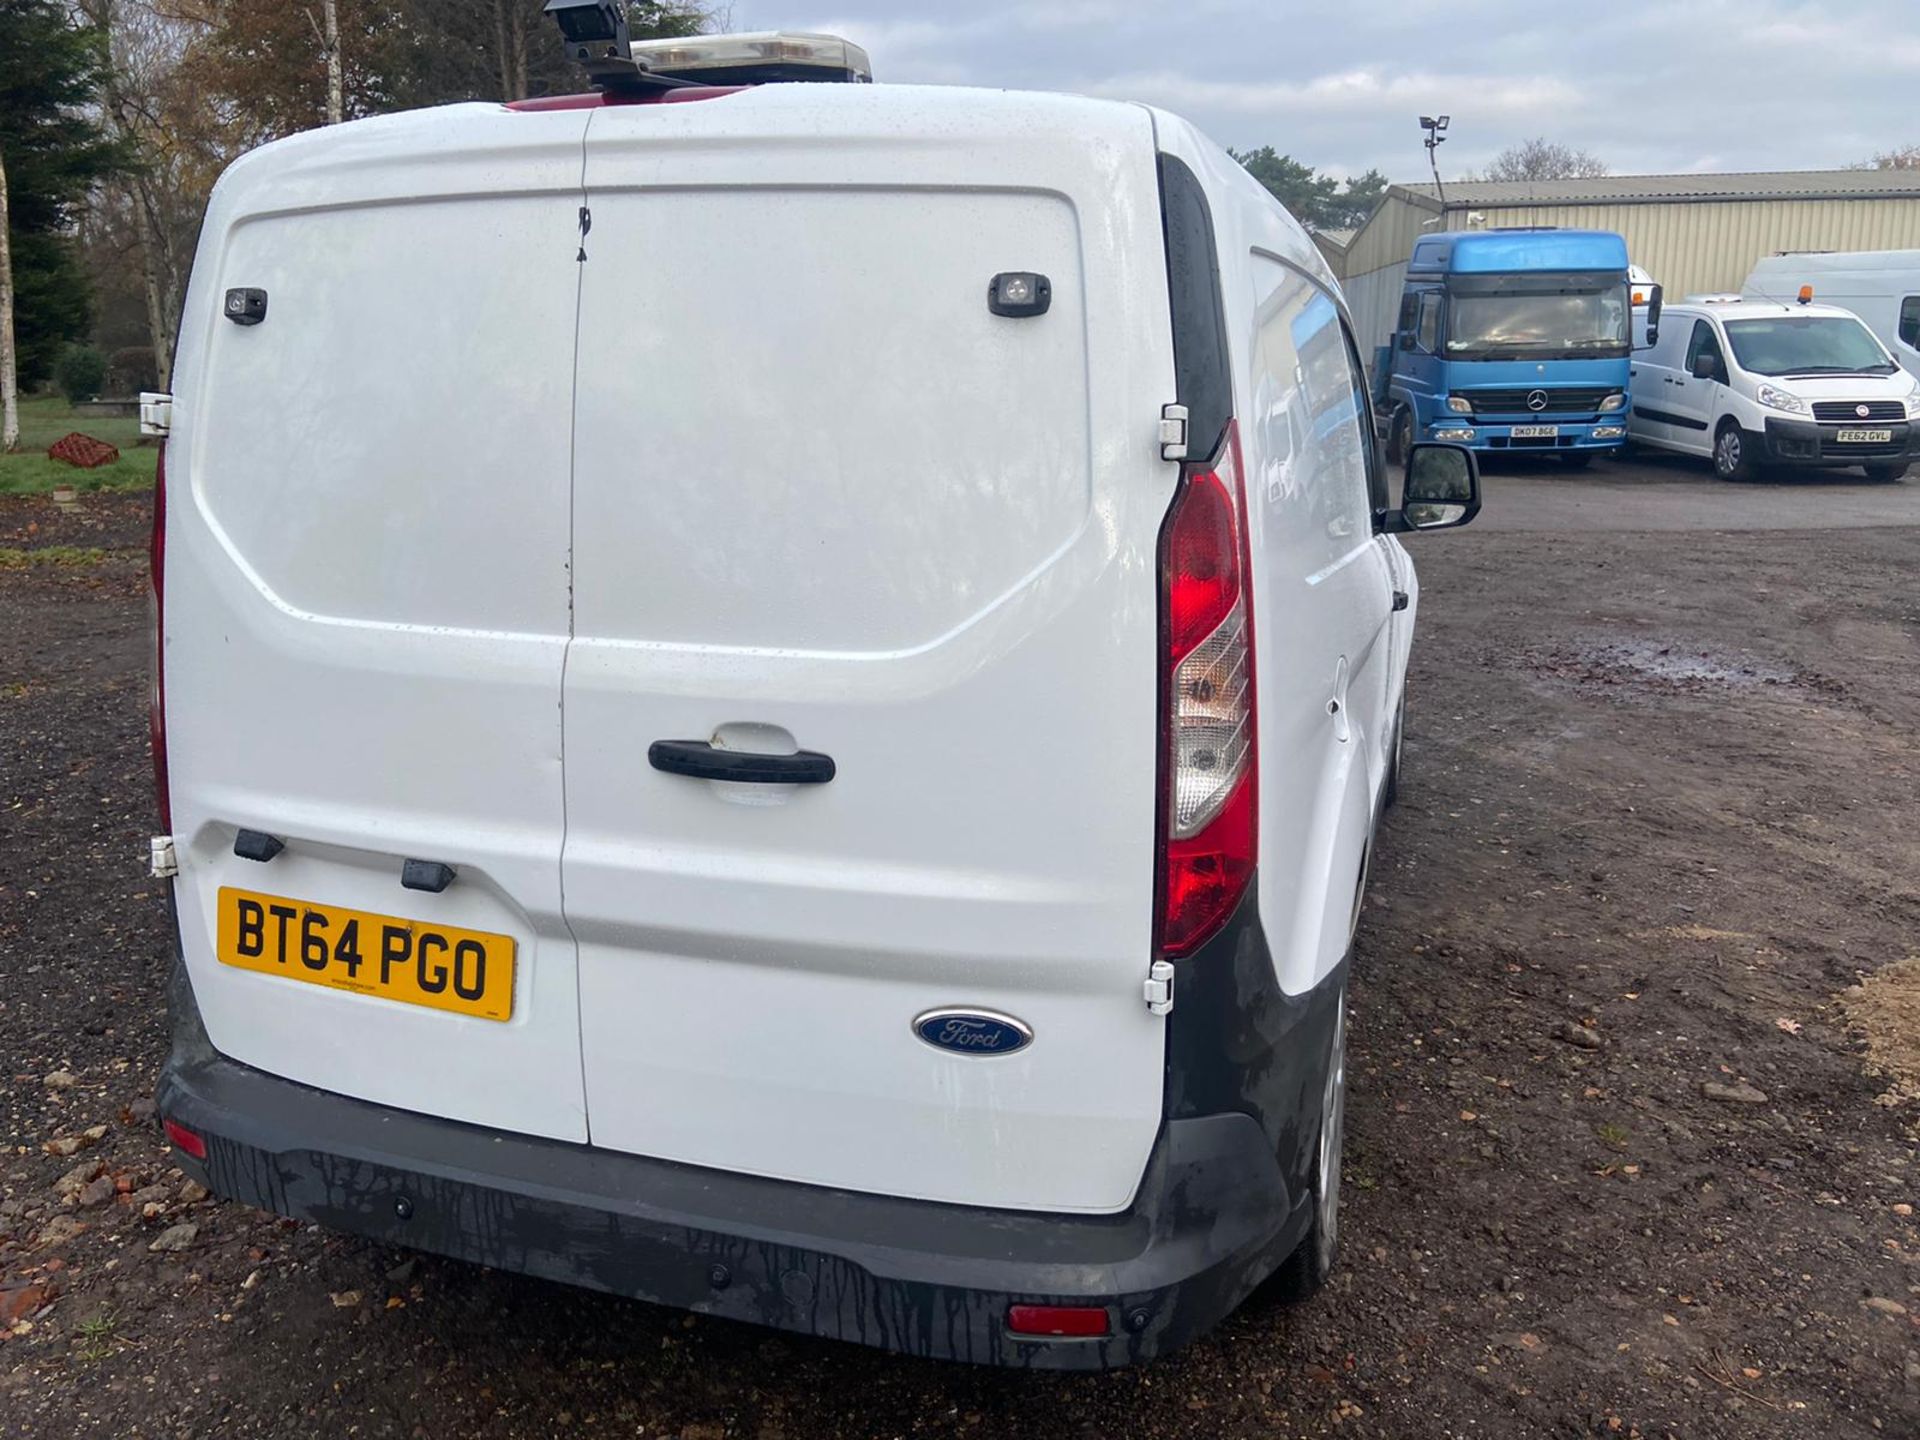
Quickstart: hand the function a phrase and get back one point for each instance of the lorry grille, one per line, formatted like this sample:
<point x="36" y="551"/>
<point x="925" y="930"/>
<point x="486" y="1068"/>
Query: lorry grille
<point x="1847" y="412"/>
<point x="1566" y="400"/>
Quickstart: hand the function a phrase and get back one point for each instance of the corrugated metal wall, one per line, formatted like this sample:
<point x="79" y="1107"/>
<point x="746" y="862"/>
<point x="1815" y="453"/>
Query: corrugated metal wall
<point x="1387" y="239"/>
<point x="1704" y="248"/>
<point x="1691" y="249"/>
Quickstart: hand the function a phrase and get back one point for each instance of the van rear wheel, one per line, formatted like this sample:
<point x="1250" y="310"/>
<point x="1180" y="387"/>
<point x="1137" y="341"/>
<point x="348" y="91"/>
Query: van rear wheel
<point x="1303" y="1272"/>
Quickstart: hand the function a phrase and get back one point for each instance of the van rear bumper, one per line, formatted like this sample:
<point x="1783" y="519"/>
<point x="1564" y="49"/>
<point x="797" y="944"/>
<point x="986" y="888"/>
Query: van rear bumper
<point x="1212" y="1218"/>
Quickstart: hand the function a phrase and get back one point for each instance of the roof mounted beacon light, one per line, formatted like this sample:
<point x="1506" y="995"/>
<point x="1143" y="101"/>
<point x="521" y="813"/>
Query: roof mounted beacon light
<point x="758" y="58"/>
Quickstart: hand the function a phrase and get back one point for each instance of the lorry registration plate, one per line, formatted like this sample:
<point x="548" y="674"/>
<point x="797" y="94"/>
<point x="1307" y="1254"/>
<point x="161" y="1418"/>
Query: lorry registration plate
<point x="467" y="971"/>
<point x="1535" y="432"/>
<point x="1865" y="437"/>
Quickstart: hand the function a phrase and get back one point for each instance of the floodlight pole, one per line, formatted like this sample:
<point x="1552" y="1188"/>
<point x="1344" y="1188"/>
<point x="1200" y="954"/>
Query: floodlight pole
<point x="1435" y="139"/>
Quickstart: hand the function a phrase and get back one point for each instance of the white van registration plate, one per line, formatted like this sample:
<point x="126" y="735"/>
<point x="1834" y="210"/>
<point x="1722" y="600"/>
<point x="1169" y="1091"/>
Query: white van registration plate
<point x="1535" y="432"/>
<point x="469" y="972"/>
<point x="1865" y="437"/>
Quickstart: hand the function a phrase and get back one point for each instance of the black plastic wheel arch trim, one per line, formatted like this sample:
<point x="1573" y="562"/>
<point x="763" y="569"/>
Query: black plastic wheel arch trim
<point x="700" y="760"/>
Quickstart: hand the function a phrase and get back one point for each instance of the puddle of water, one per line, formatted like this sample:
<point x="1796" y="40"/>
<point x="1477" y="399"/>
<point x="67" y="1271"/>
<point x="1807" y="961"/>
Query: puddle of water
<point x="1663" y="665"/>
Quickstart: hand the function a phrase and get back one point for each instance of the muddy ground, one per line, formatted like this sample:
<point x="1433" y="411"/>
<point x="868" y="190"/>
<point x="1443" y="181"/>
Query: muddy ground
<point x="1658" y="815"/>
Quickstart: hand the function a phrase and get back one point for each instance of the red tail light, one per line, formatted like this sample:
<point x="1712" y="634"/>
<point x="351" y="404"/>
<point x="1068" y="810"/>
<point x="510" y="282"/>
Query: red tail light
<point x="157" y="705"/>
<point x="1208" y="754"/>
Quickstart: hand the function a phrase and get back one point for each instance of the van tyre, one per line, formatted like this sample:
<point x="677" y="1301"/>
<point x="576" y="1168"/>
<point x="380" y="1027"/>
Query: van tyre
<point x="1732" y="455"/>
<point x="1303" y="1272"/>
<point x="1886" y="474"/>
<point x="1577" y="459"/>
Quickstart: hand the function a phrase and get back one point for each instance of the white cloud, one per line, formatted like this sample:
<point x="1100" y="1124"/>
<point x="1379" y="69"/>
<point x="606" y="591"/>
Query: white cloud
<point x="1648" y="85"/>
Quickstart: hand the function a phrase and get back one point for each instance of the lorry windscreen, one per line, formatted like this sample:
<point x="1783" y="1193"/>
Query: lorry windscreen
<point x="1537" y="316"/>
<point x="1808" y="345"/>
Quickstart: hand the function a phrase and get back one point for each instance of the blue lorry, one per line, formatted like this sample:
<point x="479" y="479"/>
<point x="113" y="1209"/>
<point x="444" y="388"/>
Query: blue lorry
<point x="1513" y="340"/>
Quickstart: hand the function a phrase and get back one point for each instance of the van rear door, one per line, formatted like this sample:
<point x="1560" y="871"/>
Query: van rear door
<point x="826" y="500"/>
<point x="366" y="614"/>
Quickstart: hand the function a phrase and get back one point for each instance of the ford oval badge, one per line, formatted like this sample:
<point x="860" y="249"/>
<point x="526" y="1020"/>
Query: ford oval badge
<point x="972" y="1032"/>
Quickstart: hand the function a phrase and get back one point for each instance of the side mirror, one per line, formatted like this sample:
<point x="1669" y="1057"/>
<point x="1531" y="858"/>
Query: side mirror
<point x="1655" y="298"/>
<point x="1405" y="338"/>
<point x="1442" y="490"/>
<point x="1706" y="367"/>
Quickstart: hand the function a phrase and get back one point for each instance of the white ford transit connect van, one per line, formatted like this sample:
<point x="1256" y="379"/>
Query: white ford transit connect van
<point x="777" y="703"/>
<point x="1754" y="384"/>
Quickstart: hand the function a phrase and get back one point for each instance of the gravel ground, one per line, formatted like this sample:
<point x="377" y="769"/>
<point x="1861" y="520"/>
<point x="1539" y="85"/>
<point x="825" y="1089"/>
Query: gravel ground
<point x="1617" y="1162"/>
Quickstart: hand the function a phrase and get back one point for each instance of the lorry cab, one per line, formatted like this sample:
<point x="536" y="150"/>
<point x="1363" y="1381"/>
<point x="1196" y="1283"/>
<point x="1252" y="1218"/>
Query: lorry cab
<point x="778" y="703"/>
<point x="1512" y="340"/>
<point x="1756" y="385"/>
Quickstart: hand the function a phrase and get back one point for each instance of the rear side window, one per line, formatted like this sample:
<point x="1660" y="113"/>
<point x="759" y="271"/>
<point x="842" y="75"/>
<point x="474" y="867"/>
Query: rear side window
<point x="1308" y="386"/>
<point x="1429" y="331"/>
<point x="1910" y="321"/>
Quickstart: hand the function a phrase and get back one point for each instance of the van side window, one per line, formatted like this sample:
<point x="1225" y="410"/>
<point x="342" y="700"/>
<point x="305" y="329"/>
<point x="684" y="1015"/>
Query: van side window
<point x="1309" y="450"/>
<point x="1704" y="342"/>
<point x="1910" y="321"/>
<point x="1429" y="325"/>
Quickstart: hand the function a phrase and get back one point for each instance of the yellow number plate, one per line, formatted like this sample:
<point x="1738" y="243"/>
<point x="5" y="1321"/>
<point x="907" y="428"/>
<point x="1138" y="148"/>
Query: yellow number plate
<point x="467" y="971"/>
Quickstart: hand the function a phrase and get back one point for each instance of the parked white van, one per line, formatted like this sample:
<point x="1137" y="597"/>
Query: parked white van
<point x="1882" y="287"/>
<point x="750" y="715"/>
<point x="1752" y="384"/>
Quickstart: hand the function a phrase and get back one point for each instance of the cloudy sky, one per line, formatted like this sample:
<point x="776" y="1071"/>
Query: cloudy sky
<point x="1659" y="85"/>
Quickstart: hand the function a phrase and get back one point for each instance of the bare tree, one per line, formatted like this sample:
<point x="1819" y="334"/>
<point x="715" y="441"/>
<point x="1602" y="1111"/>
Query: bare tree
<point x="1907" y="157"/>
<point x="9" y="364"/>
<point x="1544" y="159"/>
<point x="152" y="112"/>
<point x="326" y="30"/>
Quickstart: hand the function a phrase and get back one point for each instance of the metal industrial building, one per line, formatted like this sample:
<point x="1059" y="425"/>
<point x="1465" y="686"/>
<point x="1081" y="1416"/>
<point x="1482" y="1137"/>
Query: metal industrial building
<point x="1695" y="234"/>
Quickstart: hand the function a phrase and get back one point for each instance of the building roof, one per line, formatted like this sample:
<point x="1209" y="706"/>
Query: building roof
<point x="1648" y="189"/>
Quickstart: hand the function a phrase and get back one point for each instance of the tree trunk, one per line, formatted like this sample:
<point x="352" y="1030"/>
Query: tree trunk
<point x="9" y="372"/>
<point x="158" y="331"/>
<point x="520" y="54"/>
<point x="336" y="71"/>
<point x="503" y="47"/>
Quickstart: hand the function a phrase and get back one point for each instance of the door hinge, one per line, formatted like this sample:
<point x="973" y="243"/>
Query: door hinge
<point x="1159" y="988"/>
<point x="1173" y="432"/>
<point x="162" y="862"/>
<point x="156" y="413"/>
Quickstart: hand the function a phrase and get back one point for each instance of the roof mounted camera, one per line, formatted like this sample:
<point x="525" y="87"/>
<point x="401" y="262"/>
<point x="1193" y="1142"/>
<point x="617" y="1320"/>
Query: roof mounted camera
<point x="596" y="36"/>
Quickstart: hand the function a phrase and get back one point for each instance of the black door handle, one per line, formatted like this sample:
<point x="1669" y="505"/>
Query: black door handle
<point x="700" y="760"/>
<point x="1400" y="600"/>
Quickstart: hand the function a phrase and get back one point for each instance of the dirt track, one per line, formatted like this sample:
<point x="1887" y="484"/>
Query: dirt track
<point x="1661" y="786"/>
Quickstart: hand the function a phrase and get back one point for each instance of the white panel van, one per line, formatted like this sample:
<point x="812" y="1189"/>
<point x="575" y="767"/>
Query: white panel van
<point x="1755" y="386"/>
<point x="1882" y="287"/>
<point x="778" y="703"/>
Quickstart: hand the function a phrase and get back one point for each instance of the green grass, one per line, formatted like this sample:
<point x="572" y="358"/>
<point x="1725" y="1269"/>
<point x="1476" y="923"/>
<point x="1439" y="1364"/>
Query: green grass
<point x="61" y="557"/>
<point x="43" y="421"/>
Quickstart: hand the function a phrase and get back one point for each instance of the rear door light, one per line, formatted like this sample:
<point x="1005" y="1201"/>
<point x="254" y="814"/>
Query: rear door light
<point x="1208" y="758"/>
<point x="157" y="703"/>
